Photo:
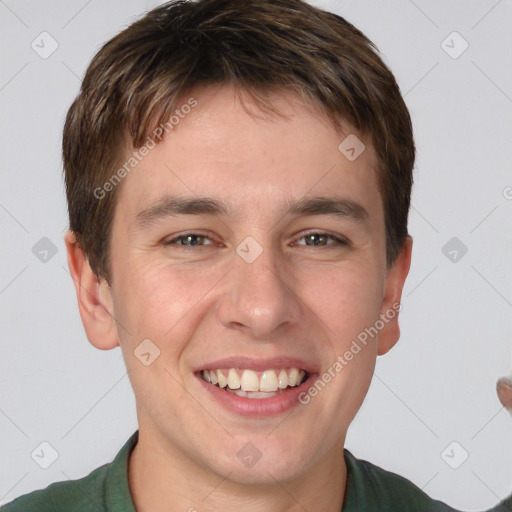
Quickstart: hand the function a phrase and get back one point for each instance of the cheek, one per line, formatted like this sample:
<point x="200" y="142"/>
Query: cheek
<point x="347" y="301"/>
<point x="160" y="303"/>
<point x="155" y="300"/>
<point x="347" y="298"/>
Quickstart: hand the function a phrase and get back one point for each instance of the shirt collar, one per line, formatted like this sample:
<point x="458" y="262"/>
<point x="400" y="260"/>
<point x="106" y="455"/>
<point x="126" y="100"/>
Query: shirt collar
<point x="119" y="498"/>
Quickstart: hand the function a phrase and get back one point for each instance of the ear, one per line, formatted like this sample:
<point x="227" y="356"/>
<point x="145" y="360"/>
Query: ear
<point x="395" y="280"/>
<point x="94" y="298"/>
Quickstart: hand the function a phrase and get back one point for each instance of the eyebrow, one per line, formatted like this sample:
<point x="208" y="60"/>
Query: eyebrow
<point x="337" y="206"/>
<point x="168" y="206"/>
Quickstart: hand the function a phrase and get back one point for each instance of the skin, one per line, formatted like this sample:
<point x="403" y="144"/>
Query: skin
<point x="504" y="390"/>
<point x="204" y="302"/>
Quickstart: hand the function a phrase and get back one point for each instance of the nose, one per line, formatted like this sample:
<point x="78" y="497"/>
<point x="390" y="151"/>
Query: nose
<point x="259" y="298"/>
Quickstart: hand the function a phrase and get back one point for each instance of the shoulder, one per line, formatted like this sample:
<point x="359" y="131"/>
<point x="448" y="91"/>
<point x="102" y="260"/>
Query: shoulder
<point x="104" y="489"/>
<point x="86" y="493"/>
<point x="368" y="484"/>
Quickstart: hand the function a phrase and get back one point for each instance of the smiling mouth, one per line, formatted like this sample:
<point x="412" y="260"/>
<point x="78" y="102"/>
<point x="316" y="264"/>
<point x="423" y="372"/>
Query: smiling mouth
<point x="252" y="384"/>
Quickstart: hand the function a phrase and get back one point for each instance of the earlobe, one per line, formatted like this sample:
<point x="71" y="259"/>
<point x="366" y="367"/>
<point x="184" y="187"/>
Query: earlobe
<point x="395" y="279"/>
<point x="94" y="298"/>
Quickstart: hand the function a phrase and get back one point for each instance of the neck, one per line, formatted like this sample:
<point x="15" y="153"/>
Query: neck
<point x="162" y="478"/>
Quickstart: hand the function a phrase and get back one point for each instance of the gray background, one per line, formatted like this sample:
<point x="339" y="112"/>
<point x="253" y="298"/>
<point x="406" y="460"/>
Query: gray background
<point x="435" y="387"/>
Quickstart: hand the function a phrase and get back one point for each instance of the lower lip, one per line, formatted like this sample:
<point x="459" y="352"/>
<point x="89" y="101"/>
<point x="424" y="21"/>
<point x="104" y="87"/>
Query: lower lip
<point x="257" y="407"/>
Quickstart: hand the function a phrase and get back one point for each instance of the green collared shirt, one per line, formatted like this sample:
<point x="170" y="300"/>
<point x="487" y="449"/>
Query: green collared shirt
<point x="106" y="489"/>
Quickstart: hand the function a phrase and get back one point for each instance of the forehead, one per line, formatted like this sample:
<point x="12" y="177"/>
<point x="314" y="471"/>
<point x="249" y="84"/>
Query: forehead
<point x="230" y="150"/>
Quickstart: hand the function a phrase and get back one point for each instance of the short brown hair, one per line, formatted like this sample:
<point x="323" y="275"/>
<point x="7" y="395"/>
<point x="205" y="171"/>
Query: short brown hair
<point x="135" y="81"/>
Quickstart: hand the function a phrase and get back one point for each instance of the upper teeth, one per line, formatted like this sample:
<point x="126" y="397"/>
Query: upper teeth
<point x="249" y="380"/>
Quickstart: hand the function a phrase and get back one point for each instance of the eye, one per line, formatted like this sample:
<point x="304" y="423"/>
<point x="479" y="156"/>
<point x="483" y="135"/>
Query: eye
<point x="188" y="240"/>
<point x="312" y="239"/>
<point x="319" y="238"/>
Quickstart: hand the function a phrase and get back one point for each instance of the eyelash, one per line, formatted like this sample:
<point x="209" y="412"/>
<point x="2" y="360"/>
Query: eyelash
<point x="339" y="241"/>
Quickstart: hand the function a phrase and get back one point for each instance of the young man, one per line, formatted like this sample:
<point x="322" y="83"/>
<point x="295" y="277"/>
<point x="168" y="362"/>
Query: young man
<point x="238" y="178"/>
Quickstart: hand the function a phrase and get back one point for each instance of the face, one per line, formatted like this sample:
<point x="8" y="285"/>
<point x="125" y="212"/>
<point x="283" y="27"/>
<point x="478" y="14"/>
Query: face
<point x="244" y="242"/>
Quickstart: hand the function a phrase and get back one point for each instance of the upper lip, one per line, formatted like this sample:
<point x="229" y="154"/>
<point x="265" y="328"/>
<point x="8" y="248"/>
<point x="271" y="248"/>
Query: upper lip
<point x="258" y="364"/>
